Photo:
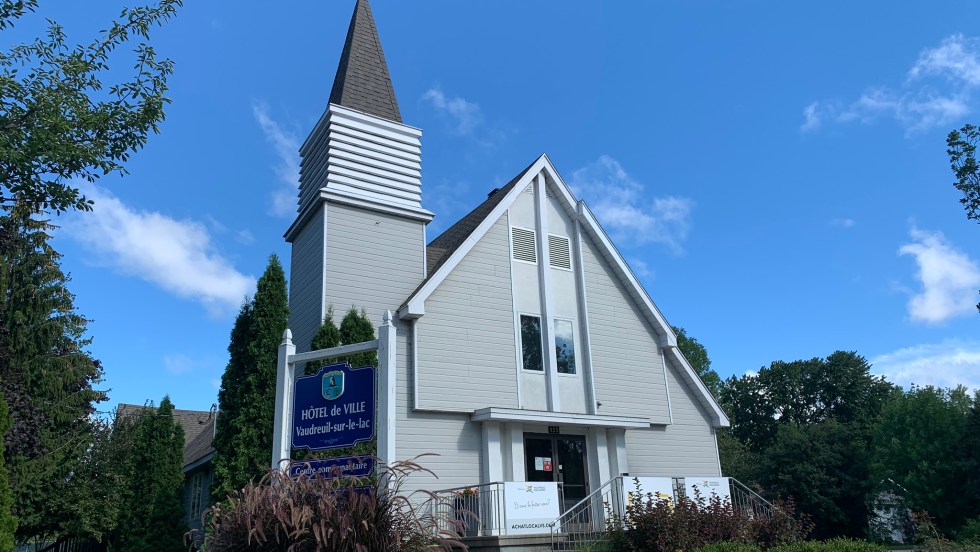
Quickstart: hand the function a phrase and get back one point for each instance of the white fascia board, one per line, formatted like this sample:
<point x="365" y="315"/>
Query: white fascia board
<point x="423" y="215"/>
<point x="494" y="414"/>
<point x="720" y="419"/>
<point x="415" y="307"/>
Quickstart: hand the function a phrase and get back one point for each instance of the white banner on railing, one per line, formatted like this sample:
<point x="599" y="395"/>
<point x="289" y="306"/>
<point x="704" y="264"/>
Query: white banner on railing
<point x="708" y="487"/>
<point x="530" y="507"/>
<point x="655" y="488"/>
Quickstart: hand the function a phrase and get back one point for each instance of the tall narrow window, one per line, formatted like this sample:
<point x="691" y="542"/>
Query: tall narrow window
<point x="565" y="346"/>
<point x="531" y="342"/>
<point x="196" y="491"/>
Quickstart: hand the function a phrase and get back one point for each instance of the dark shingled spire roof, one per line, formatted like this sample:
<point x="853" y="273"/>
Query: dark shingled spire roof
<point x="362" y="80"/>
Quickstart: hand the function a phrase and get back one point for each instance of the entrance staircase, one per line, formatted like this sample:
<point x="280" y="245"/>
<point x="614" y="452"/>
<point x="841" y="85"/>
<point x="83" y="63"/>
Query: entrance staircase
<point x="584" y="524"/>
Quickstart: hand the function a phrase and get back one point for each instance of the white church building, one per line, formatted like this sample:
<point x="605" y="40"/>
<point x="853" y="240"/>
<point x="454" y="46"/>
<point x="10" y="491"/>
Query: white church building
<point x="527" y="350"/>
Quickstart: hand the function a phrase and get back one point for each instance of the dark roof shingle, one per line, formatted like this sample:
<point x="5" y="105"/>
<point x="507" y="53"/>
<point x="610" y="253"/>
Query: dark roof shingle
<point x="362" y="80"/>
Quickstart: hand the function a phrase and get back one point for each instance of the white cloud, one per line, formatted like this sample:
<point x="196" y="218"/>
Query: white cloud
<point x="465" y="115"/>
<point x="843" y="222"/>
<point x="621" y="204"/>
<point x="955" y="59"/>
<point x="641" y="268"/>
<point x="948" y="364"/>
<point x="286" y="146"/>
<point x="938" y="91"/>
<point x="948" y="276"/>
<point x="178" y="364"/>
<point x="177" y="255"/>
<point x="811" y="120"/>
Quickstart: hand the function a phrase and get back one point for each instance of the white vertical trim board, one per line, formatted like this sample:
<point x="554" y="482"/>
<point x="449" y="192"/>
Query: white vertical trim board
<point x="544" y="283"/>
<point x="583" y="316"/>
<point x="519" y="357"/>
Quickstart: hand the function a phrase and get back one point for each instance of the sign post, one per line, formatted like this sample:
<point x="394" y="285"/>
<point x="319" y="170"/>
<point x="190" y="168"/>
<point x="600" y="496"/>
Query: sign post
<point x="336" y="407"/>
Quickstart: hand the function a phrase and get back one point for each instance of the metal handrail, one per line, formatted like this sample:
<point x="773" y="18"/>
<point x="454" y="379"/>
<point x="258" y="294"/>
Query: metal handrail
<point x="470" y="510"/>
<point x="585" y="521"/>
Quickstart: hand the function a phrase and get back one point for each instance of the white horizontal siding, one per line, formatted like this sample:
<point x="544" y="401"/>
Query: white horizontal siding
<point x="467" y="349"/>
<point x="306" y="282"/>
<point x="686" y="447"/>
<point x="364" y="156"/>
<point x="451" y="442"/>
<point x="626" y="363"/>
<point x="374" y="260"/>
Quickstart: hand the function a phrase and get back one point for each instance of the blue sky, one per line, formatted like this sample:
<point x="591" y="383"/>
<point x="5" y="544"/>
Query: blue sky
<point x="774" y="172"/>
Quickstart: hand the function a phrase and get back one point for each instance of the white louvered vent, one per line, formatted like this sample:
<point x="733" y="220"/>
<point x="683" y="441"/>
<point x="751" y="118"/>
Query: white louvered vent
<point x="558" y="247"/>
<point x="529" y="190"/>
<point x="523" y="243"/>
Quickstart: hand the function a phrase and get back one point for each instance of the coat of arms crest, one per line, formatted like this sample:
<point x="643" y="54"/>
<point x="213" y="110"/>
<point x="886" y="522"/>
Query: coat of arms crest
<point x="333" y="385"/>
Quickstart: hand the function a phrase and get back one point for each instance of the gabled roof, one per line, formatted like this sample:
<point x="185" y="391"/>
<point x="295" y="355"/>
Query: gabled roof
<point x="362" y="80"/>
<point x="192" y="421"/>
<point x="447" y="250"/>
<point x="449" y="241"/>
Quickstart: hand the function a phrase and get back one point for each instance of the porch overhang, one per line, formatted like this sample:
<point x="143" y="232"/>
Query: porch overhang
<point x="495" y="414"/>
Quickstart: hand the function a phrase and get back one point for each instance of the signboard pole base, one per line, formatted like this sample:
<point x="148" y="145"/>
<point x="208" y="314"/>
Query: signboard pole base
<point x="285" y="375"/>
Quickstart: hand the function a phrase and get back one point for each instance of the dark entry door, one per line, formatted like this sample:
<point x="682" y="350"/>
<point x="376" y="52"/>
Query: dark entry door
<point x="559" y="458"/>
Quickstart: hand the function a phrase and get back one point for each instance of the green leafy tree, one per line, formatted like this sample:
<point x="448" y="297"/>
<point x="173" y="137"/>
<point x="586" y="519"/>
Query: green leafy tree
<point x="59" y="122"/>
<point x="47" y="379"/>
<point x="924" y="450"/>
<point x="808" y="426"/>
<point x="8" y="523"/>
<point x="962" y="149"/>
<point x="247" y="397"/>
<point x="152" y="518"/>
<point x="697" y="355"/>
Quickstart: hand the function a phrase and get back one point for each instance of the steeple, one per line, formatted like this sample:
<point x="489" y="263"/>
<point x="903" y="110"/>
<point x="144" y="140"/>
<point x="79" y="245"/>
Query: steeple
<point x="362" y="80"/>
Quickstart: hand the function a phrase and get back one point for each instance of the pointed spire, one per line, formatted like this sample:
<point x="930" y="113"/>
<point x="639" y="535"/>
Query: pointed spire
<point x="362" y="80"/>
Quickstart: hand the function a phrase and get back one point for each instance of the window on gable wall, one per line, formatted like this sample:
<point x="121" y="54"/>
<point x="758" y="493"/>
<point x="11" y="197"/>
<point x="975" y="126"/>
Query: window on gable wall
<point x="565" y="346"/>
<point x="531" y="344"/>
<point x="196" y="490"/>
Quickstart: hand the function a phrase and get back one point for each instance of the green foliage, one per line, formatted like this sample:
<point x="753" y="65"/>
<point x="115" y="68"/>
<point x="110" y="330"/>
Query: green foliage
<point x="962" y="149"/>
<point x="8" y="523"/>
<point x="355" y="328"/>
<point x="247" y="397"/>
<point x="327" y="336"/>
<point x="341" y="514"/>
<point x="152" y="518"/>
<point x="653" y="524"/>
<point x="925" y="451"/>
<point x="729" y="547"/>
<point x="59" y="123"/>
<point x="833" y="545"/>
<point x="805" y="428"/>
<point x="47" y="381"/>
<point x="697" y="355"/>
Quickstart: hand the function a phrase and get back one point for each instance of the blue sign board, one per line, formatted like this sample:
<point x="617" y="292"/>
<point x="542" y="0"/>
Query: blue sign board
<point x="355" y="466"/>
<point x="334" y="408"/>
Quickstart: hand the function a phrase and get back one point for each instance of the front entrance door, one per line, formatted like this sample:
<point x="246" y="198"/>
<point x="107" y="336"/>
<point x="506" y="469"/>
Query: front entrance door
<point x="559" y="458"/>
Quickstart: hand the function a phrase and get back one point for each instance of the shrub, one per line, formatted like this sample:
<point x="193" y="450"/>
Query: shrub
<point x="344" y="514"/>
<point x="729" y="547"/>
<point x="833" y="545"/>
<point x="657" y="525"/>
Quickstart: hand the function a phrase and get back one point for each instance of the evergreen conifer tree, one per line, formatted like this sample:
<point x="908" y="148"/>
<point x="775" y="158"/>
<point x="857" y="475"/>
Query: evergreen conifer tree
<point x="243" y="440"/>
<point x="326" y="336"/>
<point x="8" y="523"/>
<point x="153" y="518"/>
<point x="47" y="378"/>
<point x="356" y="328"/>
